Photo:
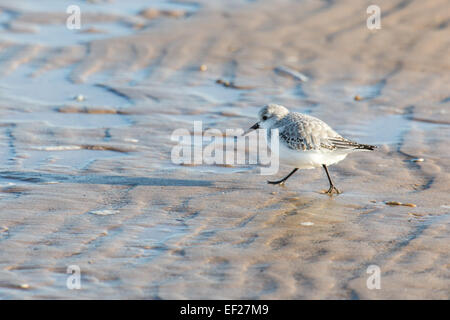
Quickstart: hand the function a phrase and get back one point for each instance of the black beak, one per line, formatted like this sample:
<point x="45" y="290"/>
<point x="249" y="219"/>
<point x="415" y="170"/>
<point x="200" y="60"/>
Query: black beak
<point x="254" y="127"/>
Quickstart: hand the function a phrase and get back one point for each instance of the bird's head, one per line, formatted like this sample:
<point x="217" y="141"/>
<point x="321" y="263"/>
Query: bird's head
<point x="268" y="115"/>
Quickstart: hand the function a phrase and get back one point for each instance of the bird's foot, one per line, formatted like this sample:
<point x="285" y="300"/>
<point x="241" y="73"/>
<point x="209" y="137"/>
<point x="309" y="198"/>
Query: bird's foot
<point x="279" y="182"/>
<point x="333" y="189"/>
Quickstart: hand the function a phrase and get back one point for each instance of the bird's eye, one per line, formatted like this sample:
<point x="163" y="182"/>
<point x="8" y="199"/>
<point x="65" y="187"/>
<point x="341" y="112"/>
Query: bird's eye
<point x="264" y="118"/>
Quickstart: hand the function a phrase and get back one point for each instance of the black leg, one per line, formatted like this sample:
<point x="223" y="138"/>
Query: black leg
<point x="332" y="187"/>
<point x="282" y="181"/>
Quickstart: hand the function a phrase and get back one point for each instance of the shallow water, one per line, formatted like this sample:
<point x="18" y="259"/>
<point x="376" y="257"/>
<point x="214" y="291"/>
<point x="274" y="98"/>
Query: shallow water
<point x="90" y="182"/>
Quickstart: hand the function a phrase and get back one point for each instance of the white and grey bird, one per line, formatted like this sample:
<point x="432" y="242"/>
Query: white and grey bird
<point x="305" y="142"/>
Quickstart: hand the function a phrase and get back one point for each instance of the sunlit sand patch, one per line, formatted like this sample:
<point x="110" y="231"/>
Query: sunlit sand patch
<point x="51" y="182"/>
<point x="105" y="212"/>
<point x="152" y="13"/>
<point x="90" y="110"/>
<point x="82" y="147"/>
<point x="417" y="160"/>
<point x="397" y="203"/>
<point x="57" y="148"/>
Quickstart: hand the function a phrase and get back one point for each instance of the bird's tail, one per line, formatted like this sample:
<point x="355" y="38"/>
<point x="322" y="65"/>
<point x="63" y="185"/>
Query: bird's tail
<point x="342" y="143"/>
<point x="365" y="147"/>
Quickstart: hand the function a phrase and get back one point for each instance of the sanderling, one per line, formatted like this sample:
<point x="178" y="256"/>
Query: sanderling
<point x="305" y="141"/>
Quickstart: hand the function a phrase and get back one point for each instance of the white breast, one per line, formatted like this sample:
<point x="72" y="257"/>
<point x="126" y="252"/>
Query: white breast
<point x="309" y="159"/>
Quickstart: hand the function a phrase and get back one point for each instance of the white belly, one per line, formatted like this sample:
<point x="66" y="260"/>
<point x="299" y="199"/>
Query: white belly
<point x="309" y="159"/>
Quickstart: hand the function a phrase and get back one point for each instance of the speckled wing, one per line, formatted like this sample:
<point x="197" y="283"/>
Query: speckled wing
<point x="302" y="132"/>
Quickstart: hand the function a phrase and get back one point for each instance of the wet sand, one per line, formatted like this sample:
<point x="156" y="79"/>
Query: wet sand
<point x="90" y="181"/>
